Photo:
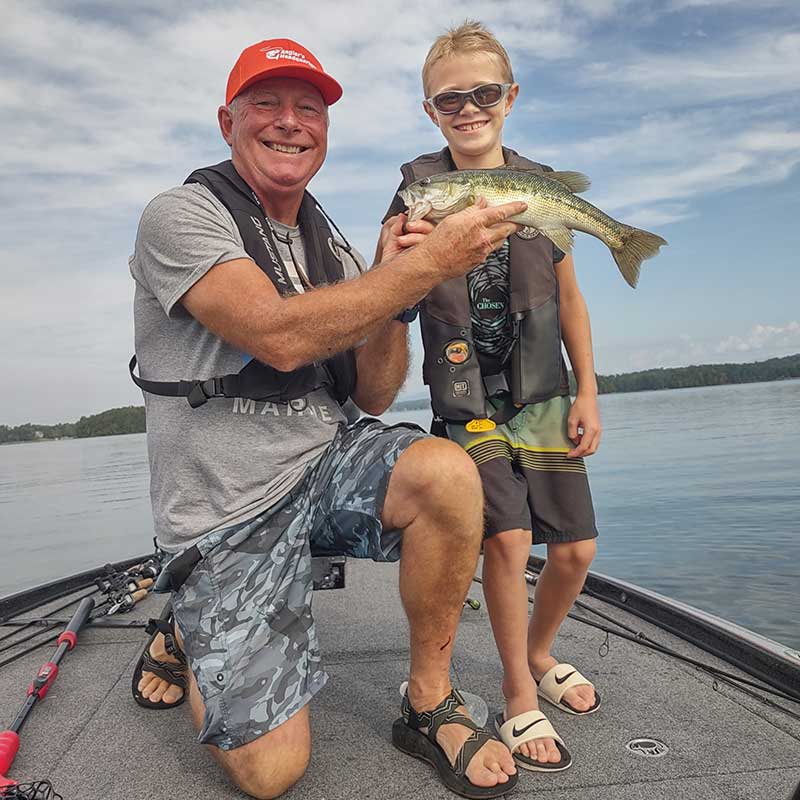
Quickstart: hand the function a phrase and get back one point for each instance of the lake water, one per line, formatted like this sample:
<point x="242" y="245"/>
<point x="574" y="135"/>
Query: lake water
<point x="697" y="493"/>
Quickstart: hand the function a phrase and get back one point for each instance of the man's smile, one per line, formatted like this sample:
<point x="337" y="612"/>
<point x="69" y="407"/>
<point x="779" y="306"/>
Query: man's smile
<point x="285" y="148"/>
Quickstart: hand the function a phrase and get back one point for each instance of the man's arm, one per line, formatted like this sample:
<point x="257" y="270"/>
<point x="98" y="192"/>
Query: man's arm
<point x="237" y="301"/>
<point x="382" y="364"/>
<point x="577" y="334"/>
<point x="383" y="360"/>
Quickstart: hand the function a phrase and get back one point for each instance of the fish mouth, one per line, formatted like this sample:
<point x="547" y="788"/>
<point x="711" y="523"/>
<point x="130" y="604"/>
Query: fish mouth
<point x="289" y="149"/>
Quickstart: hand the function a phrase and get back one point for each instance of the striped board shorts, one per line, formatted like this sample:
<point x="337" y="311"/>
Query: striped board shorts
<point x="528" y="481"/>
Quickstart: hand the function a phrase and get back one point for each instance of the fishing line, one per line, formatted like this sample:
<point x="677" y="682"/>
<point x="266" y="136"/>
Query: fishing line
<point x="637" y="637"/>
<point x="36" y="790"/>
<point x="54" y="611"/>
<point x="36" y="633"/>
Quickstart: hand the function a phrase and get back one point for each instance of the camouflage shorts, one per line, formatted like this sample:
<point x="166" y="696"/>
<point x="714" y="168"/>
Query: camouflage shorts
<point x="245" y="610"/>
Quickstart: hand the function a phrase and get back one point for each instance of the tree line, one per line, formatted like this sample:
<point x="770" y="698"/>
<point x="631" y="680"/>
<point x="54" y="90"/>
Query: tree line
<point x="130" y="419"/>
<point x="773" y="369"/>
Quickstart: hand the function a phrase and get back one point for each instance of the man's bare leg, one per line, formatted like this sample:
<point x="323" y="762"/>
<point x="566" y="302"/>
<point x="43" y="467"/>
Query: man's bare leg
<point x="557" y="588"/>
<point x="266" y="767"/>
<point x="435" y="497"/>
<point x="505" y="556"/>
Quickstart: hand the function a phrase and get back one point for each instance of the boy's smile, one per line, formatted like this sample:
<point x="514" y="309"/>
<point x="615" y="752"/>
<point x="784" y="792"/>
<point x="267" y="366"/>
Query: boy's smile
<point x="474" y="134"/>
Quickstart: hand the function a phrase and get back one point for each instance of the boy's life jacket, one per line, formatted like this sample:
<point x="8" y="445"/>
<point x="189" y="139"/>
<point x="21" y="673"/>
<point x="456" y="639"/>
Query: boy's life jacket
<point x="256" y="380"/>
<point x="534" y="368"/>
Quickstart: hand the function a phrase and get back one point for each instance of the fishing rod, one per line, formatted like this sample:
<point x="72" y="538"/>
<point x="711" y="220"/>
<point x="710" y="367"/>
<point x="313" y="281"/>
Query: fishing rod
<point x="54" y="611"/>
<point x="94" y="622"/>
<point x="123" y="591"/>
<point x="638" y="637"/>
<point x="9" y="739"/>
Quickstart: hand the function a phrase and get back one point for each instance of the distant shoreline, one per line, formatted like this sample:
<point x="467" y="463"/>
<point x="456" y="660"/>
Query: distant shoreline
<point x="131" y="419"/>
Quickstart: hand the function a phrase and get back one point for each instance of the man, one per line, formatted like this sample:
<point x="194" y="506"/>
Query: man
<point x="240" y="285"/>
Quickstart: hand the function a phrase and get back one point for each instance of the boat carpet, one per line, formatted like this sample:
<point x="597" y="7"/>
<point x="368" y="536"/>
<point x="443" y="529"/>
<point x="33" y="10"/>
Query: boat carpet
<point x="94" y="743"/>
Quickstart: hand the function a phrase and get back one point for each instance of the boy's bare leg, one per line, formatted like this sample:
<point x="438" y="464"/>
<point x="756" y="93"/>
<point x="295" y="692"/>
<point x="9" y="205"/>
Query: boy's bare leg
<point x="435" y="497"/>
<point x="557" y="588"/>
<point x="504" y="558"/>
<point x="269" y="765"/>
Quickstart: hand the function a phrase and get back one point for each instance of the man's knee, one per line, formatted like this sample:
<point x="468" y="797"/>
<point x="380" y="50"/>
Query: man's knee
<point x="270" y="765"/>
<point x="438" y="469"/>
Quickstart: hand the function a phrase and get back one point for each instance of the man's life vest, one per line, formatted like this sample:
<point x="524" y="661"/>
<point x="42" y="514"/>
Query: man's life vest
<point x="256" y="380"/>
<point x="534" y="369"/>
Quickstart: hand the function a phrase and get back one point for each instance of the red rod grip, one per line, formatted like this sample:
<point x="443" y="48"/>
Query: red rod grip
<point x="9" y="744"/>
<point x="44" y="680"/>
<point x="69" y="637"/>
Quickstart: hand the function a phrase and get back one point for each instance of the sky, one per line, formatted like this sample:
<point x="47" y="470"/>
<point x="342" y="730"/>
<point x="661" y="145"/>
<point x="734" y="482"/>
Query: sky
<point x="685" y="114"/>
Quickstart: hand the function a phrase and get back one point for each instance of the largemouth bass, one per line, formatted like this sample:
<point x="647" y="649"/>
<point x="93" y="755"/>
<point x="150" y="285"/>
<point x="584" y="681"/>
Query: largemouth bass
<point x="553" y="208"/>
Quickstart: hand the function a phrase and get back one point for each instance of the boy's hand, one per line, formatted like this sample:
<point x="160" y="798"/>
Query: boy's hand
<point x="584" y="414"/>
<point x="465" y="240"/>
<point x="397" y="234"/>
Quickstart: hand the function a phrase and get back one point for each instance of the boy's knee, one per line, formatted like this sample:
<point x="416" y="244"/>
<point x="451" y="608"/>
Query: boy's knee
<point x="572" y="557"/>
<point x="508" y="547"/>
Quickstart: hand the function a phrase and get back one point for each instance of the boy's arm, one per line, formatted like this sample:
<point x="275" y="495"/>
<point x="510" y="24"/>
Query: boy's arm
<point x="576" y="332"/>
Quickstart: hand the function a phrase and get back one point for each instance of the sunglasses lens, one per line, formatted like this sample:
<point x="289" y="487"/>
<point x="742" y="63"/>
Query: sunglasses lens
<point x="448" y="102"/>
<point x="488" y="95"/>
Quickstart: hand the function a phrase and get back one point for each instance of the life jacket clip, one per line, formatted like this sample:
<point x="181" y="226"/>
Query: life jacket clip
<point x="202" y="391"/>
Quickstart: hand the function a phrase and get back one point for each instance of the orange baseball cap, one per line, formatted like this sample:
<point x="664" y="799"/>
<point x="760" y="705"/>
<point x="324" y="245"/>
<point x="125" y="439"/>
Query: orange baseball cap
<point x="276" y="58"/>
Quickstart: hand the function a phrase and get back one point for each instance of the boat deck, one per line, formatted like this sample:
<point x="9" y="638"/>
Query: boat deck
<point x="92" y="741"/>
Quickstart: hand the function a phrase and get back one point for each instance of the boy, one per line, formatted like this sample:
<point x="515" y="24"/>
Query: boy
<point x="531" y="455"/>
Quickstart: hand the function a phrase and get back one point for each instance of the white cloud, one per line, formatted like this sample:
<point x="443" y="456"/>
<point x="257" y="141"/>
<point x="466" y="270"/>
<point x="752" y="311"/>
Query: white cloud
<point x="671" y="157"/>
<point x="763" y="338"/>
<point x="750" y="66"/>
<point x="761" y="342"/>
<point x="103" y="105"/>
<point x="679" y="5"/>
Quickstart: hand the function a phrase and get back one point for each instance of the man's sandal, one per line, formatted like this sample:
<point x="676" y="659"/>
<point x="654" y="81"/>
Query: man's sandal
<point x="407" y="737"/>
<point x="528" y="727"/>
<point x="171" y="672"/>
<point x="555" y="683"/>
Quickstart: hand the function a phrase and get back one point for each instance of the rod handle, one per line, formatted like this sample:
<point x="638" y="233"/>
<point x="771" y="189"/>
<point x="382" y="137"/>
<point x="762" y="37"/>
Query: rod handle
<point x="9" y="744"/>
<point x="70" y="635"/>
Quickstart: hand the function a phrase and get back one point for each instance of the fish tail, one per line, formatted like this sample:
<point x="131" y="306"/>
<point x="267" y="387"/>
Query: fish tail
<point x="637" y="245"/>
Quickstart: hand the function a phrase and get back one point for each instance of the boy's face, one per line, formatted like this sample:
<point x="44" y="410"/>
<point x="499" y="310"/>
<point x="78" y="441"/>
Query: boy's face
<point x="472" y="131"/>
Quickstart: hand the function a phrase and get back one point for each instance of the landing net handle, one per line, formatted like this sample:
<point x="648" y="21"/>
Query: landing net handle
<point x="40" y="686"/>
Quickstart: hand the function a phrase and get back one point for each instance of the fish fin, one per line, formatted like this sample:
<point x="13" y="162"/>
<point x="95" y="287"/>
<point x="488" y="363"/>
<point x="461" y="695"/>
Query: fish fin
<point x="576" y="182"/>
<point x="637" y="246"/>
<point x="419" y="209"/>
<point x="562" y="238"/>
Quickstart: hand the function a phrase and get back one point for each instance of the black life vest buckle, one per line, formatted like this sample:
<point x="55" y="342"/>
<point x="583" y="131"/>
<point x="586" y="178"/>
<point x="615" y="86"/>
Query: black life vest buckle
<point x="202" y="391"/>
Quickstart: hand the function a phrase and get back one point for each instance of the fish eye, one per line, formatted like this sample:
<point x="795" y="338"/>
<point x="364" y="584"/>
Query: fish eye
<point x="425" y="181"/>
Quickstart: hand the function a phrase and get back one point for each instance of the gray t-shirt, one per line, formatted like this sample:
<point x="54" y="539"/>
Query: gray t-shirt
<point x="230" y="459"/>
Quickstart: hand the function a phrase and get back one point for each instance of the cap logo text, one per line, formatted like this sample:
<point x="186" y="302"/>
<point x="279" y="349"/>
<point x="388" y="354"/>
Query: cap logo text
<point x="278" y="53"/>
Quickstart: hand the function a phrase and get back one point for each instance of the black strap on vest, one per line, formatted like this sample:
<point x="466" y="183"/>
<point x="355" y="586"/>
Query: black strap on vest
<point x="323" y="265"/>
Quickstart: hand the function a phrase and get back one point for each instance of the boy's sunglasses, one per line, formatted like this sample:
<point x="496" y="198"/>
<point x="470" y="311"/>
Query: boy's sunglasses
<point x="484" y="96"/>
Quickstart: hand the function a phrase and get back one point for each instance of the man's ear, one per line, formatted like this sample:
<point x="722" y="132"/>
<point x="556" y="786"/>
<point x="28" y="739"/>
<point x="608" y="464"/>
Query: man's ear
<point x="426" y="107"/>
<point x="225" y="123"/>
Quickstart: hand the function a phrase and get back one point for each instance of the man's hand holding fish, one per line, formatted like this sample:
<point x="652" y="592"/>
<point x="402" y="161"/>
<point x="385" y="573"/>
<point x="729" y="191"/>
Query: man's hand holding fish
<point x="459" y="242"/>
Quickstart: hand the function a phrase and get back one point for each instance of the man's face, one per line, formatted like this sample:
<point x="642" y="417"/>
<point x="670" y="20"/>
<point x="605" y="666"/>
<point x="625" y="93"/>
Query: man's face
<point x="278" y="132"/>
<point x="472" y="131"/>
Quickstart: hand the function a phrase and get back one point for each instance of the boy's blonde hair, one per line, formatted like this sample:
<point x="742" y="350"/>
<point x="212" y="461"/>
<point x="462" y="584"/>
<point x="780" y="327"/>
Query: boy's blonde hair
<point x="469" y="37"/>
